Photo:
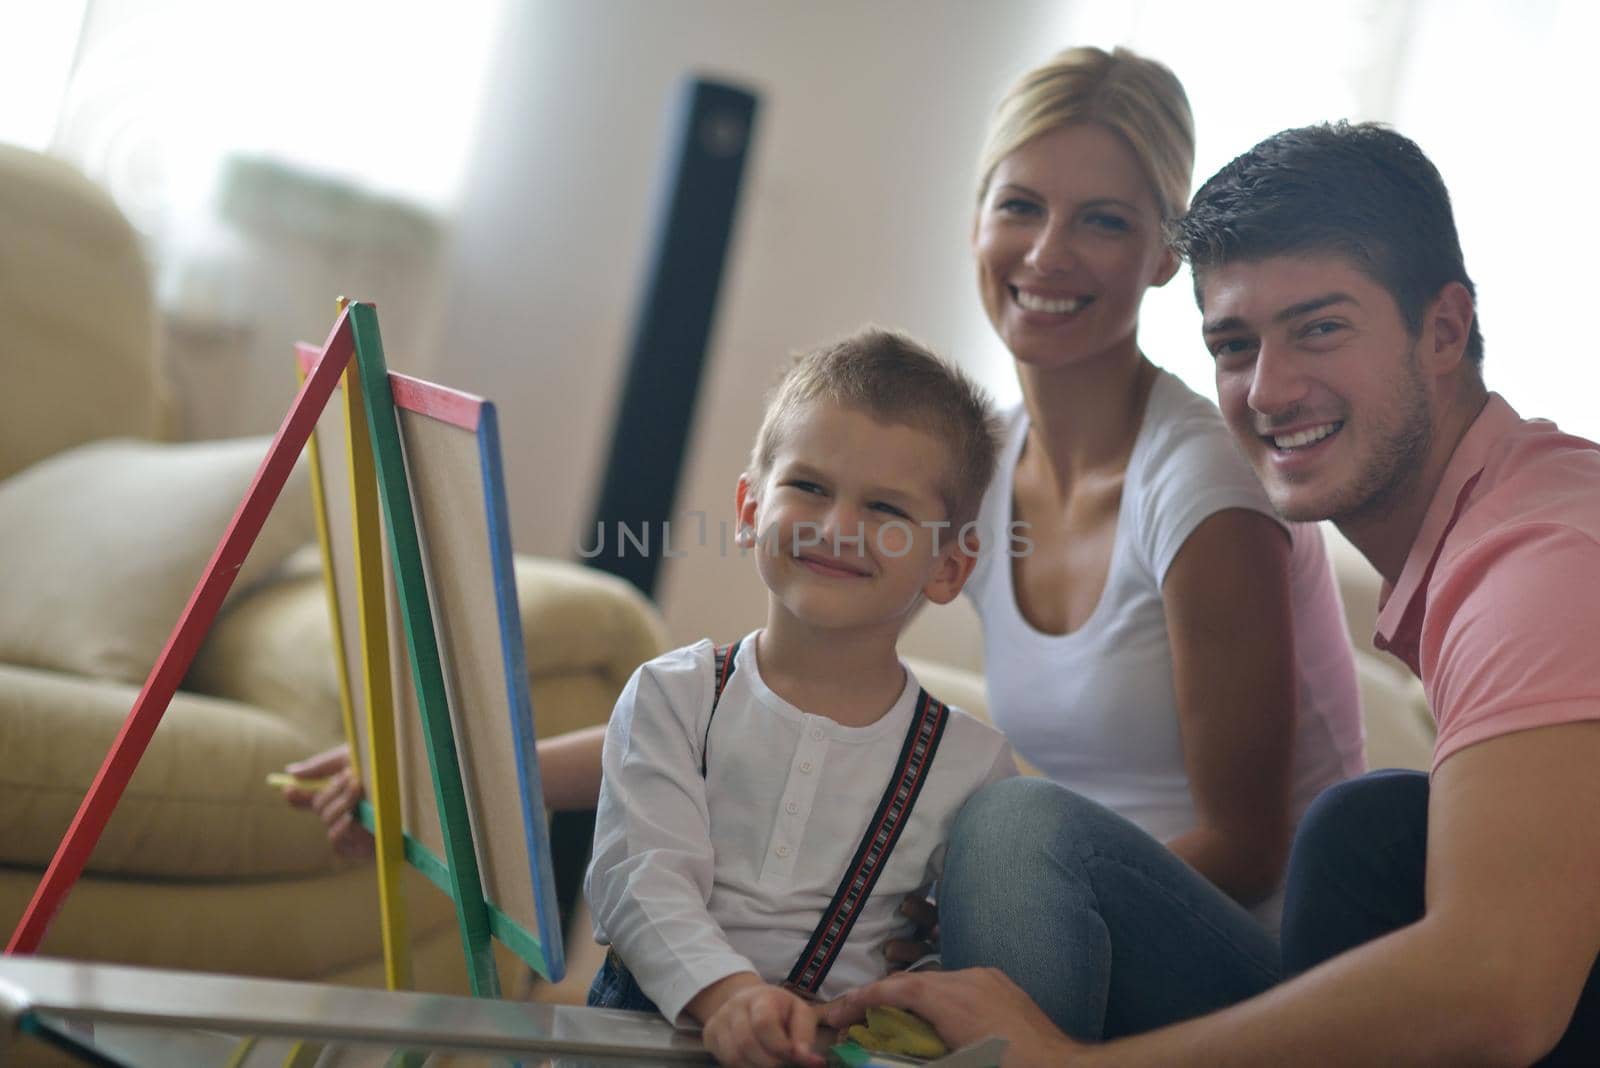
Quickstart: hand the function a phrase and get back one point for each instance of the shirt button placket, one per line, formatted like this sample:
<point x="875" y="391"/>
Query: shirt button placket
<point x="798" y="795"/>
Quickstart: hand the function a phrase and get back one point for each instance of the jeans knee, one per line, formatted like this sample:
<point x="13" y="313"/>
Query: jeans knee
<point x="1008" y="831"/>
<point x="1353" y="813"/>
<point x="1358" y="866"/>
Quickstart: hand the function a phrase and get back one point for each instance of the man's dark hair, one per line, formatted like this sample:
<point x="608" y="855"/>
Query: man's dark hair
<point x="1359" y="190"/>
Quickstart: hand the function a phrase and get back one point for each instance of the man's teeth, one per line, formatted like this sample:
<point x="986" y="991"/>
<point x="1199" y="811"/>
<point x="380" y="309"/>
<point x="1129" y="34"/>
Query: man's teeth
<point x="1304" y="437"/>
<point x="1064" y="306"/>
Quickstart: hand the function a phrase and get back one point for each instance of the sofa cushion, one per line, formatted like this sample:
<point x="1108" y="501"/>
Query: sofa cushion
<point x="101" y="546"/>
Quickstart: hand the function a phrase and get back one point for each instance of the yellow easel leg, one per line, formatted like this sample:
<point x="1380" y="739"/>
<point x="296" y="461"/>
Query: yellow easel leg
<point x="384" y="766"/>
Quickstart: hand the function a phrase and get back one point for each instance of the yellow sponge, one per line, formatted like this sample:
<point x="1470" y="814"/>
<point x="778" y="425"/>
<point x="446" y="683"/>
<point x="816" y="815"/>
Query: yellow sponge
<point x="892" y="1030"/>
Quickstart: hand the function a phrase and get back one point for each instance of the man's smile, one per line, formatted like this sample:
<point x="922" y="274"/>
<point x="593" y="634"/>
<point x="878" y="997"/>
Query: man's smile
<point x="1289" y="440"/>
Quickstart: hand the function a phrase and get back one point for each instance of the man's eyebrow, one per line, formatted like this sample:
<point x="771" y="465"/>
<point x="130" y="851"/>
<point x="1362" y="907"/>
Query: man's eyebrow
<point x="1293" y="311"/>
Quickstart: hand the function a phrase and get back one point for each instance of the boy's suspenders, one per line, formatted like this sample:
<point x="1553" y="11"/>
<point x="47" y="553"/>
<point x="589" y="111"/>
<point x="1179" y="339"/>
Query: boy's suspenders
<point x="883" y="830"/>
<point x="724" y="672"/>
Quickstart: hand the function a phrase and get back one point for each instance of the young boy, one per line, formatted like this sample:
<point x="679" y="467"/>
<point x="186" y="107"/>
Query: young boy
<point x="758" y="800"/>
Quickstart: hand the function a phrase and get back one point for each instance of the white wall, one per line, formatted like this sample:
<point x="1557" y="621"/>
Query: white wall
<point x="858" y="200"/>
<point x="856" y="208"/>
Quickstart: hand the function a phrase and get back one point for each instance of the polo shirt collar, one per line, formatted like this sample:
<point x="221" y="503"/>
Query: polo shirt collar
<point x="1493" y="423"/>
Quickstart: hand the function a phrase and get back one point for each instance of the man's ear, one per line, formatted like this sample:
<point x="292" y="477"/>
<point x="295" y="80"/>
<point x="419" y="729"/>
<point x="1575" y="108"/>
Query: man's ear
<point x="956" y="561"/>
<point x="744" y="512"/>
<point x="1446" y="327"/>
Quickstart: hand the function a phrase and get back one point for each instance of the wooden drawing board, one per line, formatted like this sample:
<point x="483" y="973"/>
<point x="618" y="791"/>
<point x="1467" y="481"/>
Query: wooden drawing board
<point x="452" y="470"/>
<point x="452" y="453"/>
<point x="451" y="862"/>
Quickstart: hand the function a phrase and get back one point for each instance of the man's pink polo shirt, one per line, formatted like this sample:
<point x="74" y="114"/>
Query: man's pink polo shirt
<point x="1498" y="605"/>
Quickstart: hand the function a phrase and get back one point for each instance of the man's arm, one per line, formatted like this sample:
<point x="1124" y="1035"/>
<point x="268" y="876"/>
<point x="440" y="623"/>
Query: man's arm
<point x="1489" y="976"/>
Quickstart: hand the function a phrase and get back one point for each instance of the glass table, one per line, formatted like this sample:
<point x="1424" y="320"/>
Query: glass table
<point x="104" y="1014"/>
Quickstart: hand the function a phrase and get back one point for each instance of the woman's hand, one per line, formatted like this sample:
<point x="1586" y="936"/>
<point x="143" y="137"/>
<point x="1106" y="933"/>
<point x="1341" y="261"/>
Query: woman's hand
<point x="924" y="940"/>
<point x="764" y="1026"/>
<point x="335" y="801"/>
<point x="964" y="1007"/>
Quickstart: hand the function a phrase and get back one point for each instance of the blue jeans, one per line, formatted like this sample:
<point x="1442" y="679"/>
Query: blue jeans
<point x="1104" y="927"/>
<point x="1356" y="874"/>
<point x="615" y="988"/>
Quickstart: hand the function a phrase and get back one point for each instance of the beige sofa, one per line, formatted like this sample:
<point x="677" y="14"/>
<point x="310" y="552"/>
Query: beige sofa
<point x="202" y="866"/>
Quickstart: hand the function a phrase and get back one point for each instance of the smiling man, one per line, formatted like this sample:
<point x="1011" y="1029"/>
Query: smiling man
<point x="1451" y="918"/>
<point x="1349" y="365"/>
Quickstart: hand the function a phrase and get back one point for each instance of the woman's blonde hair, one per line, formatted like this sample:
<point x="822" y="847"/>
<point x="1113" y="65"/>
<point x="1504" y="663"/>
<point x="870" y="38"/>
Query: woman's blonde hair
<point x="1137" y="98"/>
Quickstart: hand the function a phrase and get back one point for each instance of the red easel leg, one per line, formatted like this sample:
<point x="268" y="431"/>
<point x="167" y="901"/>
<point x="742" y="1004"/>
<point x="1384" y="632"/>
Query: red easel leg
<point x="184" y="642"/>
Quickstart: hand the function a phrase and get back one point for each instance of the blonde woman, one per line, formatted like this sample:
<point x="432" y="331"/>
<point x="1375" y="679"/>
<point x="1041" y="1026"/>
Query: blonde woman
<point x="1169" y="654"/>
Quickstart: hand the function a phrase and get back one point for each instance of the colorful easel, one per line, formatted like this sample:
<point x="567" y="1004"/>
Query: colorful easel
<point x="402" y="415"/>
<point x="445" y="455"/>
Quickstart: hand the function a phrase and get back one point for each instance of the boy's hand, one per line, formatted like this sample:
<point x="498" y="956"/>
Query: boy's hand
<point x="335" y="802"/>
<point x="764" y="1026"/>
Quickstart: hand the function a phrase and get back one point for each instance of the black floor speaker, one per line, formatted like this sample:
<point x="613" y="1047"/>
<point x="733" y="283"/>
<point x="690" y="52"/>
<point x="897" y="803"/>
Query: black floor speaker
<point x="711" y="128"/>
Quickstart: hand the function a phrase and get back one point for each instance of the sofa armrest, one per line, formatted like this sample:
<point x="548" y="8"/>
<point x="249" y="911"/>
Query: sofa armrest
<point x="1394" y="711"/>
<point x="585" y="633"/>
<point x="197" y="806"/>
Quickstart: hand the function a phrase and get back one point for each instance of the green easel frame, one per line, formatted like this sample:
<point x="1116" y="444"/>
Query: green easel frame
<point x="463" y="881"/>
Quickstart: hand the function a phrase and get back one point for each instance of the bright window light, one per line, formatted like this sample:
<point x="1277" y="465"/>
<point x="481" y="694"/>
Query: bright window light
<point x="36" y="45"/>
<point x="382" y="95"/>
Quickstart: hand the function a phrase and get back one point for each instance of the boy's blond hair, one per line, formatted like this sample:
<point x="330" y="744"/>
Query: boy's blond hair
<point x="894" y="379"/>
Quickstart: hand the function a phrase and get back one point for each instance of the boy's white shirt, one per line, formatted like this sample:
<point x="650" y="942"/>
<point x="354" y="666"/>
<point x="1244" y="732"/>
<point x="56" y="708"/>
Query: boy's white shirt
<point x="696" y="879"/>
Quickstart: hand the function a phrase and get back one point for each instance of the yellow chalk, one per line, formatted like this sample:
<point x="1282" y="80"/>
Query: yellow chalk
<point x="282" y="780"/>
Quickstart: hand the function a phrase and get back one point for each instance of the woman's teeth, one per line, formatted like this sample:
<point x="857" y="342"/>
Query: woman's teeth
<point x="1062" y="306"/>
<point x="1304" y="437"/>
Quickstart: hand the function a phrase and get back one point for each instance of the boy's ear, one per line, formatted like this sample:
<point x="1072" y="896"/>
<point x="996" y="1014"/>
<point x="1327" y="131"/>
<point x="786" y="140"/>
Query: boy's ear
<point x="956" y="561"/>
<point x="744" y="512"/>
